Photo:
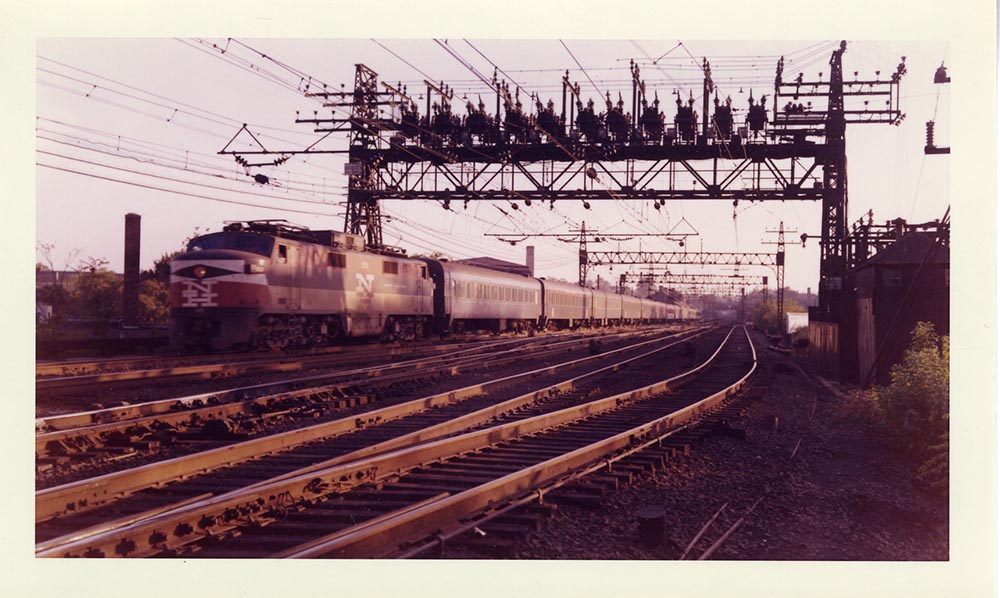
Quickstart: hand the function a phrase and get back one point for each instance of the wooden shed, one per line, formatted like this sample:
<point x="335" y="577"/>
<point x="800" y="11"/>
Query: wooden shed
<point x="905" y="283"/>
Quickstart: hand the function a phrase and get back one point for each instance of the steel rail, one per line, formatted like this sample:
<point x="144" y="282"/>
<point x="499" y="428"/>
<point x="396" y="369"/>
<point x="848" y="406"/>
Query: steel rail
<point x="220" y="410"/>
<point x="248" y="407"/>
<point x="225" y="512"/>
<point x="476" y="418"/>
<point x="80" y="367"/>
<point x="98" y="416"/>
<point x="377" y="539"/>
<point x="214" y="371"/>
<point x="282" y="363"/>
<point x="93" y="492"/>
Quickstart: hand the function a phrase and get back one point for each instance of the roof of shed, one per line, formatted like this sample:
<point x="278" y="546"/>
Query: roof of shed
<point x="911" y="249"/>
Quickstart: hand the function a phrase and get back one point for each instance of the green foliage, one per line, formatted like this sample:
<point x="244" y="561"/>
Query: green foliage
<point x="934" y="471"/>
<point x="97" y="295"/>
<point x="912" y="411"/>
<point x="914" y="406"/>
<point x="154" y="301"/>
<point x="161" y="269"/>
<point x="55" y="295"/>
<point x="764" y="315"/>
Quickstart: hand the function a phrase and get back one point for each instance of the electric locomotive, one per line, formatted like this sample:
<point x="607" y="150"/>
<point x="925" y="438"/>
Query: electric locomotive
<point x="267" y="284"/>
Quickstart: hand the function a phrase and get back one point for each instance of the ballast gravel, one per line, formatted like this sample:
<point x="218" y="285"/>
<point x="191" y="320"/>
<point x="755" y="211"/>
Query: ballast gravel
<point x="845" y="495"/>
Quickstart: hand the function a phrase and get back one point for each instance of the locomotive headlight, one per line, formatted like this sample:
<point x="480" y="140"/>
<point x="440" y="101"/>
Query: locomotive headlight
<point x="200" y="272"/>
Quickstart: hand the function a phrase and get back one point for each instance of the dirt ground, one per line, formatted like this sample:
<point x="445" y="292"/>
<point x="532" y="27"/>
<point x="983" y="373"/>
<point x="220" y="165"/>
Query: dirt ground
<point x="845" y="495"/>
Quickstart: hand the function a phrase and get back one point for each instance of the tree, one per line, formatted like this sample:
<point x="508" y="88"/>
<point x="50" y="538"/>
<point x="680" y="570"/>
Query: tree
<point x="154" y="301"/>
<point x="154" y="291"/>
<point x="48" y="253"/>
<point x="161" y="269"/>
<point x="97" y="295"/>
<point x="764" y="315"/>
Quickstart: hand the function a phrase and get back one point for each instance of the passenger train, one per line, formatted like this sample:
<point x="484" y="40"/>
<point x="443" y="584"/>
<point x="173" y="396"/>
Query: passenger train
<point x="267" y="284"/>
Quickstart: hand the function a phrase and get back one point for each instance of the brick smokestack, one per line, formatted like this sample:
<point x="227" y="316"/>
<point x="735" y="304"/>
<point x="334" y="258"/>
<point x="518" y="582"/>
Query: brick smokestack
<point x="529" y="259"/>
<point x="130" y="299"/>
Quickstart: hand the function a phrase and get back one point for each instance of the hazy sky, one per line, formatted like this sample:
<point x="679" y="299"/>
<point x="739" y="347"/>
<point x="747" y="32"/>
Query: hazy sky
<point x="886" y="164"/>
<point x="134" y="125"/>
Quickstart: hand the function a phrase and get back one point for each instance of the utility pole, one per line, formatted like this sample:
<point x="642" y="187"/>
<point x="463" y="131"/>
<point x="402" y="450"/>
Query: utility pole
<point x="779" y="261"/>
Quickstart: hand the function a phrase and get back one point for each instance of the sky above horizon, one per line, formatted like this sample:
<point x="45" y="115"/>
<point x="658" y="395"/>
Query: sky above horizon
<point x="135" y="125"/>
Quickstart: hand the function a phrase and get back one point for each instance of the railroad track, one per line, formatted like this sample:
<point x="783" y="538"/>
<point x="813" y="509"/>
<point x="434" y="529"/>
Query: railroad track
<point x="136" y="425"/>
<point x="119" y="365"/>
<point x="375" y="430"/>
<point x="626" y="421"/>
<point x="384" y="362"/>
<point x="146" y="371"/>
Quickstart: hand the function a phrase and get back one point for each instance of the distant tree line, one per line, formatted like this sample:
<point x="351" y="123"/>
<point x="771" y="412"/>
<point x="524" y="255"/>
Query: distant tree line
<point x="93" y="294"/>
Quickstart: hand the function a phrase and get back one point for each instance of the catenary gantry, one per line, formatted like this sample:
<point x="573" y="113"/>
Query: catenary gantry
<point x="783" y="151"/>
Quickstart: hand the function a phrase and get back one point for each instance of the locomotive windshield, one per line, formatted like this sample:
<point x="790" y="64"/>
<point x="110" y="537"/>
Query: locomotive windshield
<point x="233" y="240"/>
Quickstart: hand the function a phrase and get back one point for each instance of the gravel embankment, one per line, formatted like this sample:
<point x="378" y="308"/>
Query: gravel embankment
<point x="845" y="495"/>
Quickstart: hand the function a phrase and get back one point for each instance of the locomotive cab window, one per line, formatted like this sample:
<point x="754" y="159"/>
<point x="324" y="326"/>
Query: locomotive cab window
<point x="282" y="253"/>
<point x="233" y="240"/>
<point x="390" y="267"/>
<point x="336" y="260"/>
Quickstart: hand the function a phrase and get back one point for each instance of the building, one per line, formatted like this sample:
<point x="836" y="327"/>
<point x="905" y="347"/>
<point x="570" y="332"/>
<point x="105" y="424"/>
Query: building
<point x="886" y="295"/>
<point x="795" y="320"/>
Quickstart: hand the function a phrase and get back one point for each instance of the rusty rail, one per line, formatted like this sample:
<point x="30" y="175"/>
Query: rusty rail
<point x="228" y="511"/>
<point x="385" y="537"/>
<point x="86" y="494"/>
<point x="179" y="417"/>
<point x="103" y="416"/>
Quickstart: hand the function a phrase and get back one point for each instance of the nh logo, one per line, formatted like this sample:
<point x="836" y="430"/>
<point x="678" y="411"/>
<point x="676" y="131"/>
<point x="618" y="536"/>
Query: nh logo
<point x="366" y="283"/>
<point x="199" y="294"/>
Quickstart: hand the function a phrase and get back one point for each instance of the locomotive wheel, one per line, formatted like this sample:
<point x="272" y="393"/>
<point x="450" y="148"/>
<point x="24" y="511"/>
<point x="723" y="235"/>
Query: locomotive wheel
<point x="277" y="344"/>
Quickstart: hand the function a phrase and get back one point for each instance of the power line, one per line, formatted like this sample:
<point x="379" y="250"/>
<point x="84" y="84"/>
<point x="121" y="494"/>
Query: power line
<point x="165" y="178"/>
<point x="581" y="67"/>
<point x="151" y="157"/>
<point x="175" y="192"/>
<point x="180" y="151"/>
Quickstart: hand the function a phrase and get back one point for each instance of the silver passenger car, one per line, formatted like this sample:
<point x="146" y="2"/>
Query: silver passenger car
<point x="471" y="298"/>
<point x="564" y="305"/>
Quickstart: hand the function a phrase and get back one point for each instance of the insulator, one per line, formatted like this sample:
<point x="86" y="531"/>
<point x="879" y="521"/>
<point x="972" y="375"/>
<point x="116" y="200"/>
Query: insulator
<point x="930" y="133"/>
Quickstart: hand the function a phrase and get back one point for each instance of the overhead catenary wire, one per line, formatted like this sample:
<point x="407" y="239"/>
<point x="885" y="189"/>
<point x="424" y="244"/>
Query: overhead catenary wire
<point x="178" y="151"/>
<point x="583" y="70"/>
<point x="176" y="192"/>
<point x="176" y="180"/>
<point x="151" y="160"/>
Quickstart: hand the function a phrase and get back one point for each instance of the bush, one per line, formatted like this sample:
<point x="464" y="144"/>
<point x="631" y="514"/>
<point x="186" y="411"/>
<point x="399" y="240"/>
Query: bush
<point x="912" y="411"/>
<point x="914" y="406"/>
